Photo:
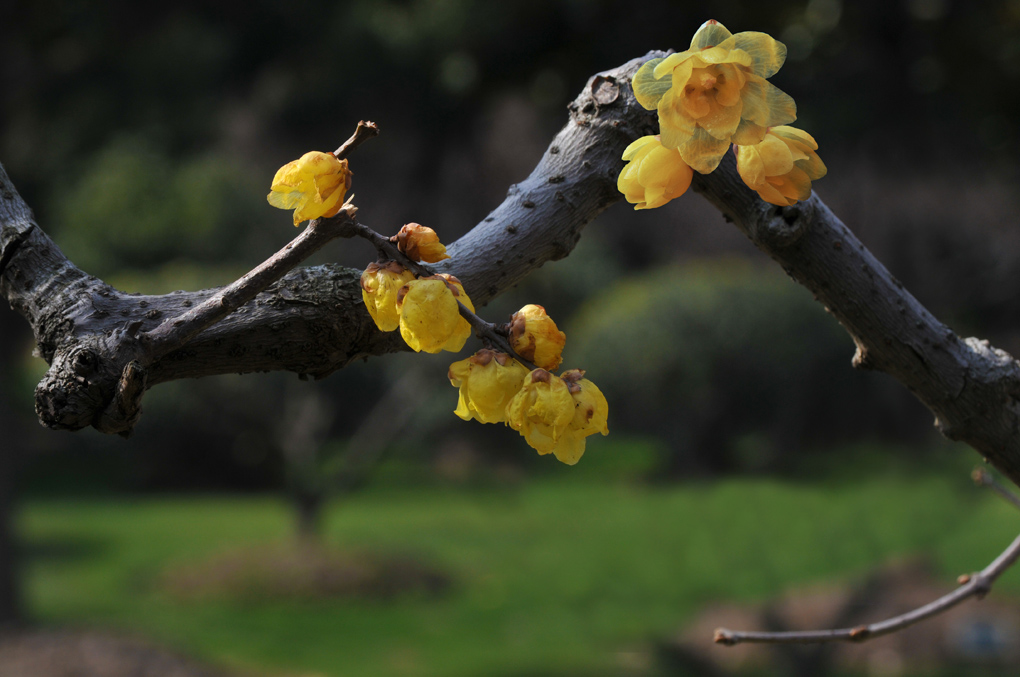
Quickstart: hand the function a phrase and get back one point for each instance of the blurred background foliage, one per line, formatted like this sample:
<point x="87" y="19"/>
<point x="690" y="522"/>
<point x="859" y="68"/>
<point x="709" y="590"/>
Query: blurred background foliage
<point x="144" y="137"/>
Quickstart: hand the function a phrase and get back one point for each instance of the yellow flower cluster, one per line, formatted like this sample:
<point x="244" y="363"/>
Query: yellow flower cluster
<point x="711" y="96"/>
<point x="553" y="413"/>
<point x="426" y="310"/>
<point x="313" y="186"/>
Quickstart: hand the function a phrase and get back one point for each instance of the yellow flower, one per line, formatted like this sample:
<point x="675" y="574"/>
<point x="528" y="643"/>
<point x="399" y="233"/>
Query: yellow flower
<point x="420" y="243"/>
<point x="781" y="167"/>
<point x="429" y="315"/>
<point x="379" y="287"/>
<point x="591" y="414"/>
<point x="715" y="93"/>
<point x="488" y="380"/>
<point x="313" y="186"/>
<point x="542" y="412"/>
<point x="653" y="175"/>
<point x="535" y="337"/>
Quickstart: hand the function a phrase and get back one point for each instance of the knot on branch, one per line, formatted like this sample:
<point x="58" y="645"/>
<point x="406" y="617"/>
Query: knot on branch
<point x="611" y="91"/>
<point x="84" y="386"/>
<point x="781" y="227"/>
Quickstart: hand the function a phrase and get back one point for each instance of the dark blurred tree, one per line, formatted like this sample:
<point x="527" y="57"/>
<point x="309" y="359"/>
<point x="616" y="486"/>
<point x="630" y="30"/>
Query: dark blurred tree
<point x="12" y="334"/>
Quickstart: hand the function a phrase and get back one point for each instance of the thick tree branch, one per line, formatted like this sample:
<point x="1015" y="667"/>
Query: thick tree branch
<point x="312" y="320"/>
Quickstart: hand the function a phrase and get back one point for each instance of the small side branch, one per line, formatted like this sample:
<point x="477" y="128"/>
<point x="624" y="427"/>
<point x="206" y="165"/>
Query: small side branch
<point x="176" y="331"/>
<point x="984" y="478"/>
<point x="362" y="133"/>
<point x="971" y="585"/>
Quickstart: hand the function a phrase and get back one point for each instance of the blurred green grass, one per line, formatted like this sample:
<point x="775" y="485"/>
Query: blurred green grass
<point x="556" y="576"/>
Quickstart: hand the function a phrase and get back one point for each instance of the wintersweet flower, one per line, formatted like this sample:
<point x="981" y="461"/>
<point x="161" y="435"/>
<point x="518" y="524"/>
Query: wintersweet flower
<point x="542" y="411"/>
<point x="488" y="380"/>
<point x="781" y="168"/>
<point x="591" y="415"/>
<point x="313" y="186"/>
<point x="715" y="93"/>
<point x="429" y="315"/>
<point x="535" y="337"/>
<point x="654" y="175"/>
<point x="420" y="243"/>
<point x="379" y="286"/>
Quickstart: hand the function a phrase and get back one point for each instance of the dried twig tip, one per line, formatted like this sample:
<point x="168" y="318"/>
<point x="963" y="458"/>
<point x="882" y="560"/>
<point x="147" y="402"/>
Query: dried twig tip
<point x="724" y="637"/>
<point x="860" y="633"/>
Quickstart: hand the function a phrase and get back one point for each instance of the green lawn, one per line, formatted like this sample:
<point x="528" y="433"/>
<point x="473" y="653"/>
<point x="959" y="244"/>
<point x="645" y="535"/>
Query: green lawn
<point x="558" y="576"/>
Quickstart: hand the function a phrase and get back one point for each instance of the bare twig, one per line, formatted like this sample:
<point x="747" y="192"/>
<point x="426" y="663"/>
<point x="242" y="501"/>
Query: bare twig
<point x="971" y="585"/>
<point x="362" y="133"/>
<point x="984" y="478"/>
<point x="176" y="331"/>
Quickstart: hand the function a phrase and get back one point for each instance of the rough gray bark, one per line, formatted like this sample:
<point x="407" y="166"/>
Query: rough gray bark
<point x="312" y="321"/>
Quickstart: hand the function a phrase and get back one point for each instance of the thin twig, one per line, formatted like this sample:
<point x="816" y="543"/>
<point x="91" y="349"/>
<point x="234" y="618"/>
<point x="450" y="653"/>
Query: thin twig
<point x="174" y="332"/>
<point x="362" y="133"/>
<point x="984" y="478"/>
<point x="971" y="585"/>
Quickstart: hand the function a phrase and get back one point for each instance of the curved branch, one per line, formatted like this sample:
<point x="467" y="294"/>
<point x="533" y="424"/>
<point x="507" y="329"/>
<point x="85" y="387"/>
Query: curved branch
<point x="971" y="585"/>
<point x="974" y="585"/>
<point x="312" y="320"/>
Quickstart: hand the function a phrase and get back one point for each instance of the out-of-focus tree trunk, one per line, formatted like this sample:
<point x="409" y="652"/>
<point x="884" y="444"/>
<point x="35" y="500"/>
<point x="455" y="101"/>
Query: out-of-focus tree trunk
<point x="305" y="426"/>
<point x="11" y="612"/>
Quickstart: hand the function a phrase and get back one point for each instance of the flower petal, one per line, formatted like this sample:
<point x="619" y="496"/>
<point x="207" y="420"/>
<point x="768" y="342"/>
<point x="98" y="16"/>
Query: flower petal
<point x="702" y="151"/>
<point x="767" y="53"/>
<point x="632" y="150"/>
<point x="710" y="33"/>
<point x="647" y="89"/>
<point x="765" y="104"/>
<point x="776" y="156"/>
<point x="748" y="133"/>
<point x="750" y="166"/>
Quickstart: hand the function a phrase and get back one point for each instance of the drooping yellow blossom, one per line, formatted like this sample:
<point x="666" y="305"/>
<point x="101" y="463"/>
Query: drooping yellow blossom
<point x="488" y="380"/>
<point x="429" y="315"/>
<point x="535" y="337"/>
<point x="420" y="243"/>
<point x="781" y="167"/>
<point x="379" y="286"/>
<point x="591" y="415"/>
<point x="542" y="412"/>
<point x="313" y="186"/>
<point x="654" y="175"/>
<point x="715" y="93"/>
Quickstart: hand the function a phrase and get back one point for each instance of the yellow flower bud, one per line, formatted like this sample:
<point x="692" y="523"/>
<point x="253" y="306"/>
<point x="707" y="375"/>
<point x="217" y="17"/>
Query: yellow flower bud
<point x="421" y="243"/>
<point x="488" y="380"/>
<point x="313" y="186"/>
<point x="429" y="315"/>
<point x="535" y="337"/>
<point x="653" y="175"/>
<point x="542" y="412"/>
<point x="781" y="168"/>
<point x="379" y="287"/>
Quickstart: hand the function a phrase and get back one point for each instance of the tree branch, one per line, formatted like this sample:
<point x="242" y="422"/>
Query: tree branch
<point x="971" y="585"/>
<point x="312" y="321"/>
